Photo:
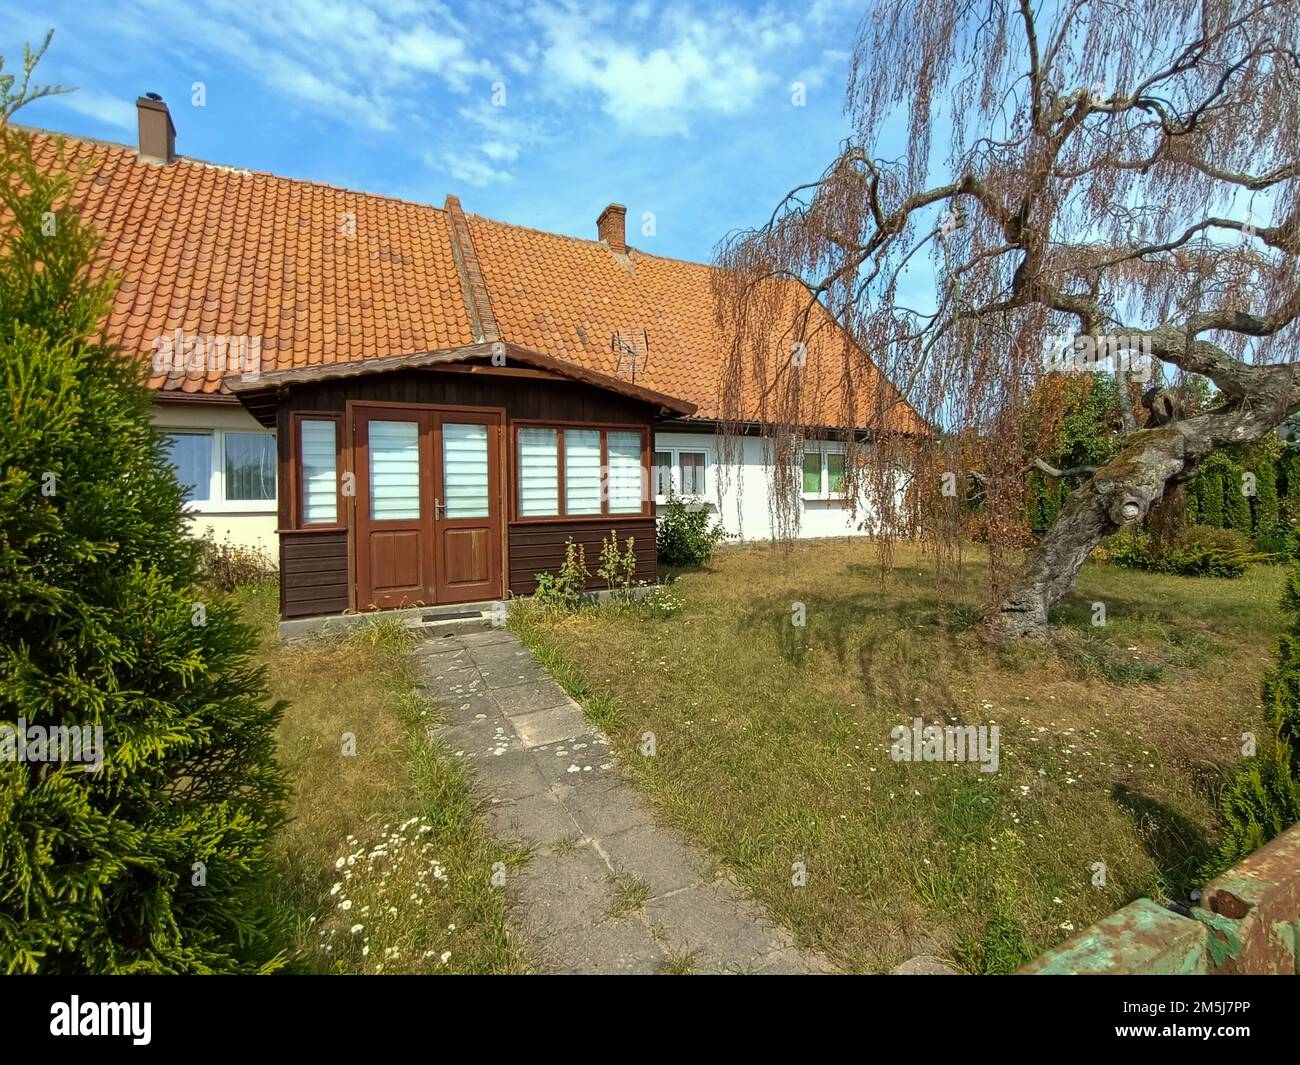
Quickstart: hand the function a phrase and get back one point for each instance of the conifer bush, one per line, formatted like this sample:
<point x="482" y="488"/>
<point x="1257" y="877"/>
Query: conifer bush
<point x="1263" y="799"/>
<point x="154" y="862"/>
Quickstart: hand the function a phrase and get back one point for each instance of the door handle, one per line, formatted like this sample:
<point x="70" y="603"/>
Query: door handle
<point x="438" y="508"/>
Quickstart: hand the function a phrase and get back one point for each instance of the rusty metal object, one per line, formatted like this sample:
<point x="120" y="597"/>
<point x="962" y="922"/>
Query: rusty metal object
<point x="1248" y="921"/>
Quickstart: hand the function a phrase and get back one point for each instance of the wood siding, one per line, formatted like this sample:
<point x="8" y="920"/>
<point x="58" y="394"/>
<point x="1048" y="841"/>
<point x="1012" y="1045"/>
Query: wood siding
<point x="538" y="547"/>
<point x="313" y="573"/>
<point x="521" y="397"/>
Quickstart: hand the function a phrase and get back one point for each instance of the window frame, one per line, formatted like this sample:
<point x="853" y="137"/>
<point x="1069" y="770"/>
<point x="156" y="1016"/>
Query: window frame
<point x="675" y="452"/>
<point x="824" y="492"/>
<point x="217" y="503"/>
<point x="559" y="426"/>
<point x="298" y="484"/>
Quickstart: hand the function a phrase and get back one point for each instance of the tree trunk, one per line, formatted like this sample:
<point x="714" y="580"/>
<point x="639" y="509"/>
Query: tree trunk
<point x="1119" y="494"/>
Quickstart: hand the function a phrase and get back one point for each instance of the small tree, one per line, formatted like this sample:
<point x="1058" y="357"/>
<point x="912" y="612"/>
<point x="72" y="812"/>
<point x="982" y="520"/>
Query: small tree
<point x="1268" y="533"/>
<point x="1209" y="491"/>
<point x="1236" y="502"/>
<point x="1095" y="186"/>
<point x="154" y="862"/>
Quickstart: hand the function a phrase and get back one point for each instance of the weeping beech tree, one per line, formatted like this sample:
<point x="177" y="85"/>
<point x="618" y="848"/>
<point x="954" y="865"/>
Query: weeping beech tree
<point x="1114" y="179"/>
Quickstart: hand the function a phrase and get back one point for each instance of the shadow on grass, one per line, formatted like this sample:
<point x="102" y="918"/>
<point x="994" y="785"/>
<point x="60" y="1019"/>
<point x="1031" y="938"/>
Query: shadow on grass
<point x="1179" y="847"/>
<point x="895" y="648"/>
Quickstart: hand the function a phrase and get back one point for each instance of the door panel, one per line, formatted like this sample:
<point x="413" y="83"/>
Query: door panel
<point x="428" y="509"/>
<point x="394" y="519"/>
<point x="467" y="525"/>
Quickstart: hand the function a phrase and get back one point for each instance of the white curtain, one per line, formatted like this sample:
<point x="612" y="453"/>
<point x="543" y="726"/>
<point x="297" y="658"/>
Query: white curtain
<point x="394" y="470"/>
<point x="465" y="470"/>
<point x="320" y="499"/>
<point x="539" y="489"/>
<point x="582" y="471"/>
<point x="625" y="474"/>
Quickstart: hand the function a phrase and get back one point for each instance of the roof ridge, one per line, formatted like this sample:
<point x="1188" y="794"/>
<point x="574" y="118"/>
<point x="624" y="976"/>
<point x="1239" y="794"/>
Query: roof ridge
<point x="228" y="168"/>
<point x="478" y="300"/>
<point x="640" y="252"/>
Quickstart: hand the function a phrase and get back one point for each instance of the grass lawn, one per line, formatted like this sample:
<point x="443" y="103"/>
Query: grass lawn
<point x="772" y="742"/>
<point x="384" y="866"/>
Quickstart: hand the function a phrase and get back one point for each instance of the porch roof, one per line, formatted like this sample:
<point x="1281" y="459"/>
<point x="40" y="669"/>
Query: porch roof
<point x="262" y="383"/>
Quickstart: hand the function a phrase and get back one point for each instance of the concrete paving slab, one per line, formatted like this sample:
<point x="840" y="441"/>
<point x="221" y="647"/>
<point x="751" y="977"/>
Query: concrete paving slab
<point x="515" y="675"/>
<point x="539" y="818"/>
<point x="563" y="891"/>
<point x="618" y="948"/>
<point x="706" y="922"/>
<point x="651" y="855"/>
<point x="547" y="726"/>
<point x="534" y="695"/>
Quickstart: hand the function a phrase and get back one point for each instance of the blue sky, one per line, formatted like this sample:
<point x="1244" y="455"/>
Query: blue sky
<point x="680" y="109"/>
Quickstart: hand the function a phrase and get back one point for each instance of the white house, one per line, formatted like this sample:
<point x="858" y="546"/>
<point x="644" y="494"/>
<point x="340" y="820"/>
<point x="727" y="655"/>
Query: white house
<point x="240" y="288"/>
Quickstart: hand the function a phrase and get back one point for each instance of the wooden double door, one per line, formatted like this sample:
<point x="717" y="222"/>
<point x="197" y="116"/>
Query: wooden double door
<point x="428" y="504"/>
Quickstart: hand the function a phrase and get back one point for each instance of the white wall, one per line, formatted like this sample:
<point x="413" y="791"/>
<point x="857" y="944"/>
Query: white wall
<point x="744" y="513"/>
<point x="247" y="524"/>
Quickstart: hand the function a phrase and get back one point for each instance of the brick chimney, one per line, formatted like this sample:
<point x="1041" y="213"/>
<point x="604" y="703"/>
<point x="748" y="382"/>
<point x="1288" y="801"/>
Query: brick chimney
<point x="157" y="134"/>
<point x="612" y="227"/>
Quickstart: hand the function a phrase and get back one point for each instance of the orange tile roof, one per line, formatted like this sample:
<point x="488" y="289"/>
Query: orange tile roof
<point x="569" y="298"/>
<point x="216" y="251"/>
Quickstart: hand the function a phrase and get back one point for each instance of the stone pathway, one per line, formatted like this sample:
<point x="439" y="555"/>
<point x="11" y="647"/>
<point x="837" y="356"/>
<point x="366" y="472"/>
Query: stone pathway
<point x="607" y="891"/>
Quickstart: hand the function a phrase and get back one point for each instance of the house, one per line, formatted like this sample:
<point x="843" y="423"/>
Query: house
<point x="410" y="404"/>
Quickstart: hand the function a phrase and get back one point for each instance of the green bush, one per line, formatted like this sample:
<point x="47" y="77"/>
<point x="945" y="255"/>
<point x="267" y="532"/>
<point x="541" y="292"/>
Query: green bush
<point x="685" y="535"/>
<point x="1196" y="551"/>
<point x="156" y="860"/>
<point x="1263" y="799"/>
<point x="1209" y="497"/>
<point x="1269" y="535"/>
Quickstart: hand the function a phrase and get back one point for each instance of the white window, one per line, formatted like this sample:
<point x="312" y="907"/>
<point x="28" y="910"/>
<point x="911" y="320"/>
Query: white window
<point x="318" y="449"/>
<point x="823" y="473"/>
<point x="685" y="469"/>
<point x="623" y="452"/>
<point x="539" y="488"/>
<point x="582" y="471"/>
<point x="224" y="471"/>
<point x="546" y="457"/>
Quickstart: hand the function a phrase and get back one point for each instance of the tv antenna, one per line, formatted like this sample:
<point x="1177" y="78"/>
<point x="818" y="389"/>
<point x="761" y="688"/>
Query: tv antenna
<point x="633" y="349"/>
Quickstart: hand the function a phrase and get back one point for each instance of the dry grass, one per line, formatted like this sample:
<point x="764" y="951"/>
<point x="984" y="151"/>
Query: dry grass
<point x="385" y="866"/>
<point x="773" y="742"/>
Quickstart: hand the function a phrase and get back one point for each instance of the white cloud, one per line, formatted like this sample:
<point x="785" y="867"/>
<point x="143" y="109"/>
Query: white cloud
<point x="720" y="61"/>
<point x="364" y="58"/>
<point x="103" y="107"/>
